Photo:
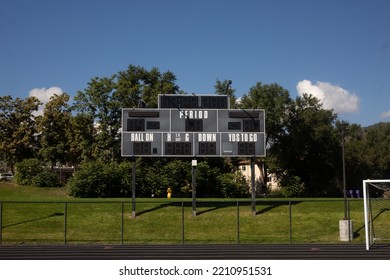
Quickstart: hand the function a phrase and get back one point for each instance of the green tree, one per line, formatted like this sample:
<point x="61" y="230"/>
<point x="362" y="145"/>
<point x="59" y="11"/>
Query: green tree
<point x="96" y="104"/>
<point x="367" y="151"/>
<point x="80" y="134"/>
<point x="276" y="102"/>
<point x="17" y="128"/>
<point x="310" y="148"/>
<point x="378" y="150"/>
<point x="101" y="103"/>
<point x="225" y="88"/>
<point x="53" y="128"/>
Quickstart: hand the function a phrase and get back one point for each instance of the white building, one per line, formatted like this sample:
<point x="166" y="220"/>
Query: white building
<point x="272" y="181"/>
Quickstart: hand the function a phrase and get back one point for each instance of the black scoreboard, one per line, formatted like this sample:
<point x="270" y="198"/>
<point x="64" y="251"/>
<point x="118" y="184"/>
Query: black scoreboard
<point x="193" y="101"/>
<point x="193" y="126"/>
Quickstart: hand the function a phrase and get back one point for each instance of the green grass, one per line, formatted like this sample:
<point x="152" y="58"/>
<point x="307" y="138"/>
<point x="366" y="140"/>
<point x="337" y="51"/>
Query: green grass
<point x="36" y="215"/>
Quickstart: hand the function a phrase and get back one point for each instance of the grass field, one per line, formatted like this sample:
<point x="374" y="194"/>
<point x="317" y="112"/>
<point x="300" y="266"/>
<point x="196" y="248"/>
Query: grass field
<point x="37" y="215"/>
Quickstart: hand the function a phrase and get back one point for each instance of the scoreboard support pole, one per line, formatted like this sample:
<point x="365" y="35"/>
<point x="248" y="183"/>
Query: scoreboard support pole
<point x="133" y="207"/>
<point x="253" y="187"/>
<point x="194" y="165"/>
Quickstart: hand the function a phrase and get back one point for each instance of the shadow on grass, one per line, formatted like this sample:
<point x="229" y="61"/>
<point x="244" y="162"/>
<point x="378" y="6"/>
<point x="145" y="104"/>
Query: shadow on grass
<point x="34" y="220"/>
<point x="161" y="206"/>
<point x="213" y="206"/>
<point x="274" y="204"/>
<point x="383" y="210"/>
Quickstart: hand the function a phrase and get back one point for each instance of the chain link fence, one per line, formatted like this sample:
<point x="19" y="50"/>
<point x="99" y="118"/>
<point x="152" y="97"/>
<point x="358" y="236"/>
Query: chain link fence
<point x="172" y="222"/>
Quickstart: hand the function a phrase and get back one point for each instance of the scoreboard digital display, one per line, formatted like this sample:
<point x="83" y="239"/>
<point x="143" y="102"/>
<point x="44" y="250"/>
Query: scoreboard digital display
<point x="189" y="132"/>
<point x="193" y="101"/>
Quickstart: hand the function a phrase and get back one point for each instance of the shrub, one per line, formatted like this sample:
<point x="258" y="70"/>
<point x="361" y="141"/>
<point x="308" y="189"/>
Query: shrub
<point x="26" y="170"/>
<point x="98" y="179"/>
<point x="291" y="186"/>
<point x="46" y="178"/>
<point x="232" y="185"/>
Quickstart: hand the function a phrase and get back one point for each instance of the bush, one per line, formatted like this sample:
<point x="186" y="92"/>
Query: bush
<point x="291" y="186"/>
<point x="31" y="172"/>
<point x="232" y="185"/>
<point x="98" y="179"/>
<point x="46" y="178"/>
<point x="26" y="170"/>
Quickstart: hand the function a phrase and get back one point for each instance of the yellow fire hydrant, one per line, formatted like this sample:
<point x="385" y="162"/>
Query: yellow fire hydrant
<point x="169" y="193"/>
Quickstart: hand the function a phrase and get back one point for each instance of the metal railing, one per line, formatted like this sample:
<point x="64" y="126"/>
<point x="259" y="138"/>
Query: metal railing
<point x="172" y="222"/>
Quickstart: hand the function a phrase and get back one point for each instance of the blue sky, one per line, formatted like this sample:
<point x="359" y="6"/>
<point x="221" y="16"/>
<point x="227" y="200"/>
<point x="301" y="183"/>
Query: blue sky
<point x="337" y="50"/>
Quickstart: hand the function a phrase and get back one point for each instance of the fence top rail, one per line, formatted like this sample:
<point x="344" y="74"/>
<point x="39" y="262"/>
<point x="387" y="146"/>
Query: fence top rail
<point x="173" y="201"/>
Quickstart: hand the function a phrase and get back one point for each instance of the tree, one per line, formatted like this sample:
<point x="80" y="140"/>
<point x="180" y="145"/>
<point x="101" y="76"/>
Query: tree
<point x="367" y="153"/>
<point x="53" y="128"/>
<point x="224" y="88"/>
<point x="101" y="103"/>
<point x="310" y="148"/>
<point x="276" y="102"/>
<point x="378" y="150"/>
<point x="80" y="134"/>
<point x="98" y="106"/>
<point x="17" y="128"/>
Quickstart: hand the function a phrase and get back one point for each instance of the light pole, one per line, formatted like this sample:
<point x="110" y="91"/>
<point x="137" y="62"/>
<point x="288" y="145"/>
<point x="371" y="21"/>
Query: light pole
<point x="344" y="176"/>
<point x="345" y="225"/>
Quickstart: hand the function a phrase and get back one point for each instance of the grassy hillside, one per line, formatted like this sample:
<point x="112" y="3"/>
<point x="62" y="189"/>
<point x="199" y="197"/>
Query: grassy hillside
<point x="40" y="215"/>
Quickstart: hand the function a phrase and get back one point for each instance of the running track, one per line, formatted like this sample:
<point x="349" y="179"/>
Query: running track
<point x="194" y="252"/>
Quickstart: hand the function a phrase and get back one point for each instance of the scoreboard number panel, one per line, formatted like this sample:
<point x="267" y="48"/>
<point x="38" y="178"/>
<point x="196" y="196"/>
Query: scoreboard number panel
<point x="207" y="149"/>
<point x="193" y="126"/>
<point x="178" y="149"/>
<point x="245" y="148"/>
<point x="141" y="144"/>
<point x="142" y="148"/>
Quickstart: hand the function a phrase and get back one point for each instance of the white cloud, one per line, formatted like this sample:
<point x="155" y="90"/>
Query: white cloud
<point x="44" y="95"/>
<point x="385" y="115"/>
<point x="331" y="96"/>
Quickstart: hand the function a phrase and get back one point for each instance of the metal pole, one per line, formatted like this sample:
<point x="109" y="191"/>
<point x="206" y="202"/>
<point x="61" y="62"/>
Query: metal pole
<point x="349" y="221"/>
<point x="194" y="164"/>
<point x="133" y="213"/>
<point x="290" y="210"/>
<point x="238" y="222"/>
<point x="344" y="177"/>
<point x="122" y="222"/>
<point x="182" y="222"/>
<point x="65" y="220"/>
<point x="253" y="185"/>
<point x="1" y="223"/>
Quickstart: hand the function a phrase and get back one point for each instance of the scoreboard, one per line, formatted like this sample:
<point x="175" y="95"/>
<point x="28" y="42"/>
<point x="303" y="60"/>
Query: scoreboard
<point x="193" y="101"/>
<point x="195" y="127"/>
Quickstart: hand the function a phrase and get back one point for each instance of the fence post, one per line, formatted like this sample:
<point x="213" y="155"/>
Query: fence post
<point x="1" y="223"/>
<point x="238" y="222"/>
<point x="290" y="213"/>
<point x="182" y="222"/>
<point x="349" y="221"/>
<point x="65" y="220"/>
<point x="122" y="222"/>
<point x="133" y="174"/>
